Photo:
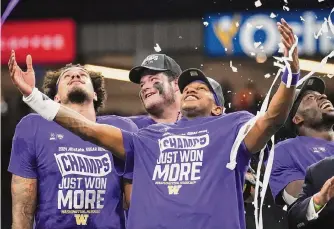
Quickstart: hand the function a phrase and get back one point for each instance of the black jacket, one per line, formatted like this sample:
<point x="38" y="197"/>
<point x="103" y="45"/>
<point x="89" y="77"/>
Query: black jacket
<point x="315" y="178"/>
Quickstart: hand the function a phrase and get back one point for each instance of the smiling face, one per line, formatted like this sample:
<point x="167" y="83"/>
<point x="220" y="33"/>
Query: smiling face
<point x="156" y="91"/>
<point x="314" y="111"/>
<point x="75" y="86"/>
<point x="198" y="101"/>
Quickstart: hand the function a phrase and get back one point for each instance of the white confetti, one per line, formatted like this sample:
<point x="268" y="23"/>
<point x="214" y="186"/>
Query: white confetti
<point x="261" y="47"/>
<point x="196" y="48"/>
<point x="267" y="75"/>
<point x="302" y="19"/>
<point x="205" y="23"/>
<point x="285" y="208"/>
<point x="225" y="49"/>
<point x="331" y="26"/>
<point x="286" y="1"/>
<point x="258" y="3"/>
<point x="252" y="53"/>
<point x="229" y="91"/>
<point x="237" y="24"/>
<point x="281" y="47"/>
<point x="202" y="65"/>
<point x="272" y="15"/>
<point x="321" y="0"/>
<point x="268" y="206"/>
<point x="157" y="48"/>
<point x="229" y="105"/>
<point x="330" y="76"/>
<point x="249" y="25"/>
<point x="259" y="26"/>
<point x="257" y="44"/>
<point x="234" y="69"/>
<point x="180" y="37"/>
<point x="324" y="28"/>
<point x="286" y="8"/>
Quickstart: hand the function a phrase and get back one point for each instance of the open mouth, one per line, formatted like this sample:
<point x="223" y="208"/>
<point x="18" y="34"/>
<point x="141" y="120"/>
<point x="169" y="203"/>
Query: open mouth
<point x="149" y="95"/>
<point x="327" y="105"/>
<point x="76" y="81"/>
<point x="190" y="98"/>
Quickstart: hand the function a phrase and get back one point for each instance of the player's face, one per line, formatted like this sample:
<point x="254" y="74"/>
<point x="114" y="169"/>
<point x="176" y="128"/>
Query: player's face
<point x="156" y="91"/>
<point x="197" y="100"/>
<point x="75" y="86"/>
<point x="315" y="109"/>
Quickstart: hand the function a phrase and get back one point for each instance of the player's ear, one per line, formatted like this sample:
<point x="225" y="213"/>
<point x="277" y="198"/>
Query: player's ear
<point x="176" y="85"/>
<point x="57" y="98"/>
<point x="216" y="110"/>
<point x="297" y="119"/>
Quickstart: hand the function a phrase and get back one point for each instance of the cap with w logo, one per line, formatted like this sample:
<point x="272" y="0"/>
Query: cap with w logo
<point x="156" y="62"/>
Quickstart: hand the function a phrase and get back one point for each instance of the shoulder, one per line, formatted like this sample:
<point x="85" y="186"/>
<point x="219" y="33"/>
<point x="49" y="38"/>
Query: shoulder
<point x="235" y="118"/>
<point x="327" y="162"/>
<point x="117" y="121"/>
<point x="31" y="120"/>
<point x="142" y="121"/>
<point x="286" y="143"/>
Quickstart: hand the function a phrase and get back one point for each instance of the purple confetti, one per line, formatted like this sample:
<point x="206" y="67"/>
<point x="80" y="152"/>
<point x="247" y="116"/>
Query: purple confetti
<point x="10" y="7"/>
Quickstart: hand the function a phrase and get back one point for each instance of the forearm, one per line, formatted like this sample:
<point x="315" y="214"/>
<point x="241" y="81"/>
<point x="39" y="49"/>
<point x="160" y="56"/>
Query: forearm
<point x="105" y="136"/>
<point x="24" y="196"/>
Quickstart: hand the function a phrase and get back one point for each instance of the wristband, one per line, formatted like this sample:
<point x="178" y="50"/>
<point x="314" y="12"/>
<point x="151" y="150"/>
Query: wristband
<point x="317" y="207"/>
<point x="295" y="77"/>
<point x="42" y="104"/>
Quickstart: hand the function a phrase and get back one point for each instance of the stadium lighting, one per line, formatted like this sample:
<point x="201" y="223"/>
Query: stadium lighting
<point x="310" y="65"/>
<point x="110" y="73"/>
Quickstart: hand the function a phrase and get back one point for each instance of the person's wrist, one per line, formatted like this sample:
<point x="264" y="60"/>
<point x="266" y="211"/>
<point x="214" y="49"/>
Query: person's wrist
<point x="318" y="200"/>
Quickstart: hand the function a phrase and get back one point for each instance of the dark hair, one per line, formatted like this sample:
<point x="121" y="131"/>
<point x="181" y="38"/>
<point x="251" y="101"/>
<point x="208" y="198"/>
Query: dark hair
<point x="171" y="75"/>
<point x="51" y="79"/>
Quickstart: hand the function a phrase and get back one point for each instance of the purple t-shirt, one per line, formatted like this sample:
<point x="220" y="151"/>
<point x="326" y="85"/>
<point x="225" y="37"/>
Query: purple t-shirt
<point x="77" y="184"/>
<point x="180" y="175"/>
<point x="292" y="157"/>
<point x="142" y="121"/>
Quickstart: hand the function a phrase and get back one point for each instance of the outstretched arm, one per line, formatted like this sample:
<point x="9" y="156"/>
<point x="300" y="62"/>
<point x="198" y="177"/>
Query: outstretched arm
<point x="106" y="136"/>
<point x="280" y="105"/>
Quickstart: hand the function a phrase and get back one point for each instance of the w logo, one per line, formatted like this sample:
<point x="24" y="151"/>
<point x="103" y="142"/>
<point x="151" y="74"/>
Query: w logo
<point x="174" y="189"/>
<point x="81" y="219"/>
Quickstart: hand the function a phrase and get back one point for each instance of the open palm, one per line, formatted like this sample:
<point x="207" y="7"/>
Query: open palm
<point x="24" y="81"/>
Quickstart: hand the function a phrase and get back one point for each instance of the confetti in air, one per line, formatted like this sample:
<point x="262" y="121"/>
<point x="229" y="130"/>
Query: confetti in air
<point x="272" y="15"/>
<point x="257" y="44"/>
<point x="259" y="26"/>
<point x="321" y="0"/>
<point x="302" y="19"/>
<point x="229" y="91"/>
<point x="205" y="23"/>
<point x="252" y="53"/>
<point x="285" y="208"/>
<point x="286" y="8"/>
<point x="324" y="28"/>
<point x="286" y="1"/>
<point x="234" y="69"/>
<point x="237" y="24"/>
<point x="258" y="3"/>
<point x="157" y="48"/>
<point x="330" y="76"/>
<point x="225" y="49"/>
<point x="249" y="25"/>
<point x="180" y="37"/>
<point x="267" y="75"/>
<point x="229" y="105"/>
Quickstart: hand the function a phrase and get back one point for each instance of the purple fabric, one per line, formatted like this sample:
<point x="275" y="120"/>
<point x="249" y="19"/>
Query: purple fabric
<point x="295" y="77"/>
<point x="292" y="157"/>
<point x="180" y="175"/>
<point x="77" y="183"/>
<point x="10" y="7"/>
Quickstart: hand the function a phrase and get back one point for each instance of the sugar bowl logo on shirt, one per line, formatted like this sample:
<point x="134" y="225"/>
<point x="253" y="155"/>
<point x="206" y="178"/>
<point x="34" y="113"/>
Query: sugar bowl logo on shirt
<point x="84" y="182"/>
<point x="180" y="160"/>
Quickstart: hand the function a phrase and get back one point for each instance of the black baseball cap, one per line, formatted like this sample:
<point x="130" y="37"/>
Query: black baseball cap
<point x="156" y="62"/>
<point x="193" y="74"/>
<point x="311" y="84"/>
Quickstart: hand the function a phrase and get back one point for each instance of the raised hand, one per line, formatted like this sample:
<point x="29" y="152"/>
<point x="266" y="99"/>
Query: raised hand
<point x="24" y="81"/>
<point x="326" y="193"/>
<point x="288" y="39"/>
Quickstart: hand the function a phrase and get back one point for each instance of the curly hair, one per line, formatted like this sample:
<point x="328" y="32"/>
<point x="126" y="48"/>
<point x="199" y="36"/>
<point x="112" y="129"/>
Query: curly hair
<point x="51" y="79"/>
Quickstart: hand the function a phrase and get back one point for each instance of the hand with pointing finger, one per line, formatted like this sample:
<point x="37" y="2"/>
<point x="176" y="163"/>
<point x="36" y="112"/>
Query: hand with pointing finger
<point x="24" y="81"/>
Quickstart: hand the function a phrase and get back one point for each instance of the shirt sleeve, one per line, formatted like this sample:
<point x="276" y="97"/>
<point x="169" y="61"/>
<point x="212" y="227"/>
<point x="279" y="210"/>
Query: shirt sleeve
<point x="311" y="213"/>
<point x="125" y="168"/>
<point x="284" y="171"/>
<point x="23" y="155"/>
